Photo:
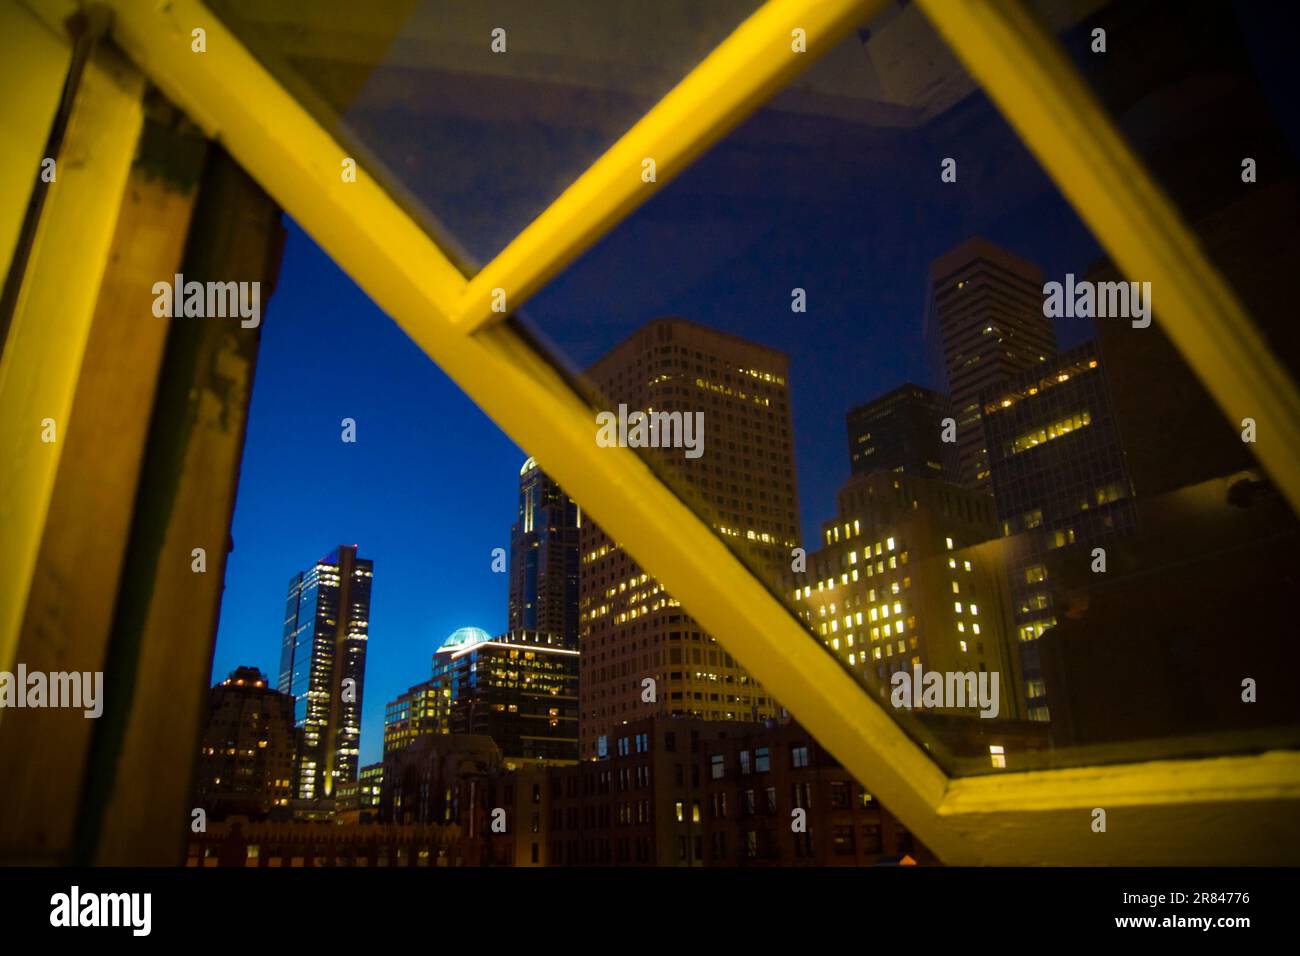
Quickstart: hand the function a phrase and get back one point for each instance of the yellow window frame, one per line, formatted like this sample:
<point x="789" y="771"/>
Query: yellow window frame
<point x="1223" y="810"/>
<point x="53" y="311"/>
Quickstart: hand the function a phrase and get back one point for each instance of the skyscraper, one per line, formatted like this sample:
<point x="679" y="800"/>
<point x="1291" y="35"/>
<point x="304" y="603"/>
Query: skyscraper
<point x="323" y="665"/>
<point x="984" y="322"/>
<point x="901" y="432"/>
<point x="544" y="558"/>
<point x="743" y="484"/>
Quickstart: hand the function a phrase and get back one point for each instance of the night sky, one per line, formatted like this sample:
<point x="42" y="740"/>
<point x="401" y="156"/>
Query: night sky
<point x="849" y="212"/>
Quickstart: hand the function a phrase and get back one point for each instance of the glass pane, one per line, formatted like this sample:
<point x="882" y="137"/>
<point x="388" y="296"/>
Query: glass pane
<point x="1028" y="530"/>
<point x="477" y="115"/>
<point x="1208" y="108"/>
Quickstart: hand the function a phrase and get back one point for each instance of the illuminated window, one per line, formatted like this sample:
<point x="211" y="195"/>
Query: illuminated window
<point x="1055" y="430"/>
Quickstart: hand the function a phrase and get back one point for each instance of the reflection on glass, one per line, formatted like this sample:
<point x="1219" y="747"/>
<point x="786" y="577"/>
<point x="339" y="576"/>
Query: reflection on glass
<point x="477" y="115"/>
<point x="938" y="424"/>
<point x="1205" y="107"/>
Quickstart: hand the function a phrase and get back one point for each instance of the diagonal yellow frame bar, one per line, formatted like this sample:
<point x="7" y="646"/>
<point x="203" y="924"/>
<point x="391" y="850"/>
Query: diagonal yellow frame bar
<point x="1156" y="804"/>
<point x="729" y="84"/>
<point x="1026" y="73"/>
<point x="236" y="101"/>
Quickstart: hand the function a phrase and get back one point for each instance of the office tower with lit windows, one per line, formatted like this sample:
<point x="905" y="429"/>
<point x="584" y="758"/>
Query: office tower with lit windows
<point x="413" y="714"/>
<point x="983" y="322"/>
<point x="911" y="572"/>
<point x="246" y="755"/>
<point x="544" y="558"/>
<point x="901" y="431"/>
<point x="519" y="688"/>
<point x="323" y="665"/>
<point x="1059" y="481"/>
<point x="370" y="784"/>
<point x="743" y="485"/>
<point x="357" y="801"/>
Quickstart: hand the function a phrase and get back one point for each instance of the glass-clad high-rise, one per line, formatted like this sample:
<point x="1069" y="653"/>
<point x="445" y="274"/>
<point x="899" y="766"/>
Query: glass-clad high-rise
<point x="544" y="558"/>
<point x="323" y="665"/>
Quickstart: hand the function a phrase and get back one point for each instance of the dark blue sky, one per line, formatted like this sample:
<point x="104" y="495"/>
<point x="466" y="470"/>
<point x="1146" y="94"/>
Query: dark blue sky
<point x="849" y="212"/>
<point x="427" y="491"/>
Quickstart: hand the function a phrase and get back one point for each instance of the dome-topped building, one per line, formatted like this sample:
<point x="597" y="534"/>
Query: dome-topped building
<point x="519" y="688"/>
<point x="463" y="637"/>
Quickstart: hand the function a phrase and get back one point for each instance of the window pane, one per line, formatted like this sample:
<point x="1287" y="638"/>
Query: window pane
<point x="477" y="115"/>
<point x="1206" y="110"/>
<point x="1025" y="528"/>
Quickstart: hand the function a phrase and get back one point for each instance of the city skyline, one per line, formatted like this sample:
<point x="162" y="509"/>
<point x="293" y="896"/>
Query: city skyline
<point x="766" y="434"/>
<point x="481" y="598"/>
<point x="538" y="496"/>
<point x="808" y="228"/>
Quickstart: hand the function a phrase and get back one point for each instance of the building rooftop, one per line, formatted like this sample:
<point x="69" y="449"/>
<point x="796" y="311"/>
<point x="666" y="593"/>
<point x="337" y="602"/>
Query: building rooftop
<point x="463" y="637"/>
